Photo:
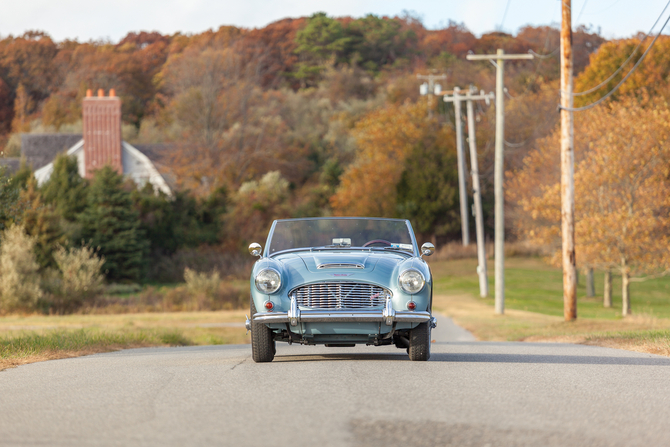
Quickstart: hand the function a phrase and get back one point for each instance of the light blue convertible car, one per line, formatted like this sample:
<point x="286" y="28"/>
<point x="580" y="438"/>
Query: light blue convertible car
<point x="340" y="282"/>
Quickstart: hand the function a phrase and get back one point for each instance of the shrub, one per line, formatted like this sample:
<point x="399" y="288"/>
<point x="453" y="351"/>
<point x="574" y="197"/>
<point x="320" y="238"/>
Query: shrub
<point x="19" y="278"/>
<point x="122" y="289"/>
<point x="170" y="269"/>
<point x="202" y="283"/>
<point x="81" y="277"/>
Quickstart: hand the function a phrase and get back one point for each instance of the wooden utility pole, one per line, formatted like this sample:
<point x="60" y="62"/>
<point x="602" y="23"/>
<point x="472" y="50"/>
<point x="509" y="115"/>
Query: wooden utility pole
<point x="460" y="159"/>
<point x="499" y="170"/>
<point x="477" y="193"/>
<point x="567" y="168"/>
<point x="469" y="97"/>
<point x="431" y="88"/>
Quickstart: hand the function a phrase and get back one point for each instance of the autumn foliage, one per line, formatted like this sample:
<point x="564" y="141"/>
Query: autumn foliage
<point x="318" y="116"/>
<point x="384" y="139"/>
<point x="622" y="189"/>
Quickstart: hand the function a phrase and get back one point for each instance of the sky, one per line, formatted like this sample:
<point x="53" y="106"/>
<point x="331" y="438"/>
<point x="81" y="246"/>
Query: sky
<point x="111" y="20"/>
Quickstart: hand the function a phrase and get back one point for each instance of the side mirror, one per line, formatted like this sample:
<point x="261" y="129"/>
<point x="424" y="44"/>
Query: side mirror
<point x="427" y="249"/>
<point x="255" y="249"/>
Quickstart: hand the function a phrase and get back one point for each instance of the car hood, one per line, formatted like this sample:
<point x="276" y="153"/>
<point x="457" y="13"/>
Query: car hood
<point x="303" y="267"/>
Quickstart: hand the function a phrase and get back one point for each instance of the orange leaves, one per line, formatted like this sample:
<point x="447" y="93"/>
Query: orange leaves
<point x="651" y="76"/>
<point x="622" y="188"/>
<point x="384" y="138"/>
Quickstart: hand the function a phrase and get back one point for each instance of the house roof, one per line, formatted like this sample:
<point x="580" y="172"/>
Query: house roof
<point x="158" y="153"/>
<point x="41" y="149"/>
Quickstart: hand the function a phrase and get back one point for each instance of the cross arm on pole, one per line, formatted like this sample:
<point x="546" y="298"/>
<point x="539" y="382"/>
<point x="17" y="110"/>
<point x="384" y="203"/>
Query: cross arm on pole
<point x="432" y="77"/>
<point x="467" y="97"/>
<point x="487" y="57"/>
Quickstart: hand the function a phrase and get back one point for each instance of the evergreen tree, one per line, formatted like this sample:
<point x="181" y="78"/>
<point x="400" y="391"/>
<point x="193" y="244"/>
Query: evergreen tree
<point x="20" y="179"/>
<point x="111" y="224"/>
<point x="65" y="189"/>
<point x="321" y="39"/>
<point x="9" y="200"/>
<point x="42" y="223"/>
<point x="170" y="223"/>
<point x="428" y="189"/>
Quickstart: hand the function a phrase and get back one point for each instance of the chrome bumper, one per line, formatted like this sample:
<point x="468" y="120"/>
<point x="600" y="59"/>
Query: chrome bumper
<point x="387" y="315"/>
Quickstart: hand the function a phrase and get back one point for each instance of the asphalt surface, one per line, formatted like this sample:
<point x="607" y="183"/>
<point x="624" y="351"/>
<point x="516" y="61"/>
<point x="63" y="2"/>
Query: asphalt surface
<point x="469" y="394"/>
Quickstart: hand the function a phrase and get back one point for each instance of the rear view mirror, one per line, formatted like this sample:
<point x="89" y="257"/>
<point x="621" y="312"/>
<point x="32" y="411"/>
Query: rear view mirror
<point x="255" y="249"/>
<point x="427" y="249"/>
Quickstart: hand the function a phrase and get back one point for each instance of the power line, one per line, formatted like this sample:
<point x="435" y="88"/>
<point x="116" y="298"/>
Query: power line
<point x="523" y="143"/>
<point x="581" y="11"/>
<point x="611" y="92"/>
<point x="505" y="15"/>
<point x="544" y="56"/>
<point x="591" y="90"/>
<point x="544" y="48"/>
<point x="507" y="94"/>
<point x="604" y="9"/>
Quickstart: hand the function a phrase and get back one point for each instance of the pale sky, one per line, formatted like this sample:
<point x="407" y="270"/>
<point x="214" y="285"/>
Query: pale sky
<point x="105" y="19"/>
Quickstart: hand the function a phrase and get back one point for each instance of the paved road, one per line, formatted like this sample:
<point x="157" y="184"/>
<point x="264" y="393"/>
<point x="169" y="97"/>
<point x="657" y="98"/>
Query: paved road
<point x="469" y="394"/>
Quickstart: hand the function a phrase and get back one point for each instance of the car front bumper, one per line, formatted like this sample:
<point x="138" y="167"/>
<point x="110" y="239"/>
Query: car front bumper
<point x="388" y="315"/>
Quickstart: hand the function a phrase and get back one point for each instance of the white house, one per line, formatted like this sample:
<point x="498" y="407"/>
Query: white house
<point x="100" y="145"/>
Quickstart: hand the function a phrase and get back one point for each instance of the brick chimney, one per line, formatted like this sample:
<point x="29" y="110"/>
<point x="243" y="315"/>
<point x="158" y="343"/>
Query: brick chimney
<point x="102" y="131"/>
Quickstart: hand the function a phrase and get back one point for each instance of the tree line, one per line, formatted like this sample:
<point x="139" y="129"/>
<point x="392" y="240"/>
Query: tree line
<point x="312" y="116"/>
<point x="294" y="97"/>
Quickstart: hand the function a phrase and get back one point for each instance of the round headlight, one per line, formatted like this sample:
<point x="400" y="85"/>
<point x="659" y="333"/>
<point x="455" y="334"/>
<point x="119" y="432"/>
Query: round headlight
<point x="268" y="281"/>
<point x="411" y="281"/>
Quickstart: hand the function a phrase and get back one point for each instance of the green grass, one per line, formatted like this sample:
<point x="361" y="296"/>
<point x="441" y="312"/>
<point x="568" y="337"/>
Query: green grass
<point x="655" y="341"/>
<point x="26" y="339"/>
<point x="656" y="336"/>
<point x="532" y="285"/>
<point x="35" y="344"/>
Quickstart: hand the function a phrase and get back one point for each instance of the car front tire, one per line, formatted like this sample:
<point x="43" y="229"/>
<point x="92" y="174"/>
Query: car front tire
<point x="262" y="343"/>
<point x="419" y="343"/>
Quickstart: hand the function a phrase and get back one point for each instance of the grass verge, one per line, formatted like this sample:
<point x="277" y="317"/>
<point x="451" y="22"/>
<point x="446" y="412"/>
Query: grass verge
<point x="532" y="287"/>
<point x="38" y="338"/>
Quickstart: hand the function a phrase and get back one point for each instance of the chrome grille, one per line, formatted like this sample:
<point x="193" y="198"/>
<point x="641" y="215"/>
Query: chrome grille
<point x="340" y="295"/>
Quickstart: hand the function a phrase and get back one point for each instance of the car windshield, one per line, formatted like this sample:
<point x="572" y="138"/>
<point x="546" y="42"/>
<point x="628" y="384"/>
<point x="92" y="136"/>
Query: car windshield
<point x="341" y="233"/>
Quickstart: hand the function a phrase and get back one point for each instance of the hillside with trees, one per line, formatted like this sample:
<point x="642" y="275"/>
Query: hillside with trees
<point x="313" y="116"/>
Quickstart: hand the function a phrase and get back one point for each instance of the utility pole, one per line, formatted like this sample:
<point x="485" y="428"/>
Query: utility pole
<point x="499" y="170"/>
<point x="567" y="168"/>
<point x="460" y="160"/>
<point x="430" y="88"/>
<point x="476" y="188"/>
<point x="474" y="171"/>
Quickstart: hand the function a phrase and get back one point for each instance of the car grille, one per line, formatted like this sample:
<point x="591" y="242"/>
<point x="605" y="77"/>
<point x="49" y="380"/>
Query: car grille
<point x="340" y="295"/>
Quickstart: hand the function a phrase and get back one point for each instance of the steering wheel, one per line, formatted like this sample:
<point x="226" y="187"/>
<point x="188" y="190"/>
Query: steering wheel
<point x="377" y="241"/>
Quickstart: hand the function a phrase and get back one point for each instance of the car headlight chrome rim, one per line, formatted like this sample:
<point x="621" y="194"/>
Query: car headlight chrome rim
<point x="411" y="281"/>
<point x="268" y="281"/>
